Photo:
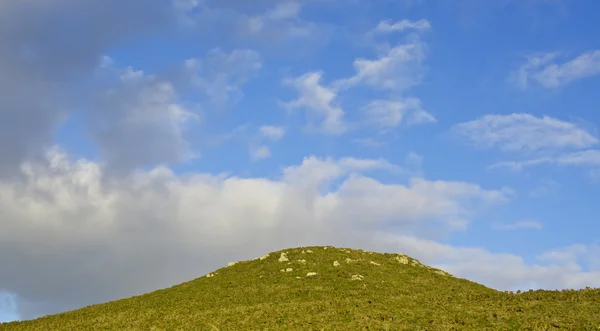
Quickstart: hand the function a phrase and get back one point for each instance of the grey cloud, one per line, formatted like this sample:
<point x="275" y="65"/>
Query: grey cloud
<point x="140" y="122"/>
<point x="48" y="49"/>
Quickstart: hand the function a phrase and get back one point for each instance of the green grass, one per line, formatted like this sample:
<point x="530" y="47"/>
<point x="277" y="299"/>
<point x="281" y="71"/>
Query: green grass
<point x="257" y="295"/>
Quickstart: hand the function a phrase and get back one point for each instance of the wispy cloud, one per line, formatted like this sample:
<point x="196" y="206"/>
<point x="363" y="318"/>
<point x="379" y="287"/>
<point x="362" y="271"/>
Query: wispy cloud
<point x="524" y="133"/>
<point x="544" y="70"/>
<point x="521" y="225"/>
<point x="320" y="100"/>
<point x="390" y="113"/>
<point x="590" y="158"/>
<point x="220" y="75"/>
<point x="388" y="26"/>
<point x="544" y="188"/>
<point x="260" y="152"/>
<point x="271" y="132"/>
<point x="396" y="70"/>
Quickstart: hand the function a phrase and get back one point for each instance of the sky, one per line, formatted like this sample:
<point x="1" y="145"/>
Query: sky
<point x="144" y="143"/>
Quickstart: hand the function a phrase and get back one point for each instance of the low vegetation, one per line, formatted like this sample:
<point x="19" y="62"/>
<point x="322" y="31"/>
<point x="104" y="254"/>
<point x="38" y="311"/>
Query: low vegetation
<point x="327" y="288"/>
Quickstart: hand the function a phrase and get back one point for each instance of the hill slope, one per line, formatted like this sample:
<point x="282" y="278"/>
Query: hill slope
<point x="326" y="288"/>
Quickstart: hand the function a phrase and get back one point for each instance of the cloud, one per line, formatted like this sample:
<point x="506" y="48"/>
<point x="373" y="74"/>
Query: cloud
<point x="589" y="158"/>
<point x="258" y="143"/>
<point x="8" y="308"/>
<point x="64" y="227"/>
<point x="261" y="152"/>
<point x="521" y="225"/>
<point x="139" y="120"/>
<point x="285" y="17"/>
<point x="320" y="100"/>
<point x="390" y="113"/>
<point x="264" y="24"/>
<point x="397" y="70"/>
<point x="414" y="160"/>
<point x="524" y="133"/>
<point x="220" y="75"/>
<point x="545" y="188"/>
<point x="59" y="47"/>
<point x="543" y="70"/>
<point x="588" y="255"/>
<point x="387" y="26"/>
<point x="500" y="270"/>
<point x="369" y="142"/>
<point x="274" y="133"/>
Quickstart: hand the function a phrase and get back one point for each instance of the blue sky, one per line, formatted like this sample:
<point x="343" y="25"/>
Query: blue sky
<point x="145" y="143"/>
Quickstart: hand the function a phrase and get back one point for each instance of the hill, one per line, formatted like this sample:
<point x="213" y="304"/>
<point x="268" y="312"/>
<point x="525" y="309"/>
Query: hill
<point x="327" y="288"/>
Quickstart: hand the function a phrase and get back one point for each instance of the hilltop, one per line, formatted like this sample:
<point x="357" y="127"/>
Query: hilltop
<point x="327" y="288"/>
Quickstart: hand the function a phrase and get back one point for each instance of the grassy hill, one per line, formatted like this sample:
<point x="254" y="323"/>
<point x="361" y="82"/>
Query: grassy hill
<point x="327" y="288"/>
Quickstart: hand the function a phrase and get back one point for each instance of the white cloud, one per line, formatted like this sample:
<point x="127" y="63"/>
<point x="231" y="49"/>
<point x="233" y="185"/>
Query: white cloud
<point x="387" y="26"/>
<point x="545" y="188"/>
<point x="563" y="254"/>
<point x="414" y="160"/>
<point x="390" y="113"/>
<point x="589" y="158"/>
<point x="284" y="10"/>
<point x="220" y="75"/>
<point x="264" y="24"/>
<point x="499" y="270"/>
<point x="525" y="224"/>
<point x="543" y="70"/>
<point x="282" y="19"/>
<point x="274" y="133"/>
<point x="369" y="142"/>
<point x="152" y="229"/>
<point x="320" y="100"/>
<point x="524" y="133"/>
<point x="261" y="152"/>
<point x="397" y="70"/>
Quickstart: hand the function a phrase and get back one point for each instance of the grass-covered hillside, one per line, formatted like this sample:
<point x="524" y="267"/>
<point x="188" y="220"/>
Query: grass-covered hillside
<point x="326" y="288"/>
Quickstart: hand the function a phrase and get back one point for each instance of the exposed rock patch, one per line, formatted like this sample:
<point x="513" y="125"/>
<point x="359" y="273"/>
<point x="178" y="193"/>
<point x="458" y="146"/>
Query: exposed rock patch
<point x="375" y="263"/>
<point x="283" y="258"/>
<point x="264" y="257"/>
<point x="231" y="264"/>
<point x="311" y="274"/>
<point x="416" y="263"/>
<point x="401" y="258"/>
<point x="336" y="264"/>
<point x="358" y="277"/>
